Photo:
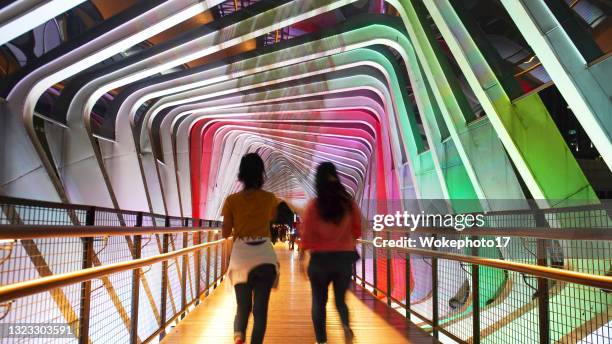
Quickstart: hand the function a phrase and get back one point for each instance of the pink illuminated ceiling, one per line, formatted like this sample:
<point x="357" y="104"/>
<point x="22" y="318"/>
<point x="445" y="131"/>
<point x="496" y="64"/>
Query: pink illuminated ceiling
<point x="292" y="145"/>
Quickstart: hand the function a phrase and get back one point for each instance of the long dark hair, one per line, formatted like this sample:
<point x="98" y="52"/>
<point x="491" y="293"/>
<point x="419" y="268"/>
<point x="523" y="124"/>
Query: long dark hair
<point x="333" y="201"/>
<point x="251" y="171"/>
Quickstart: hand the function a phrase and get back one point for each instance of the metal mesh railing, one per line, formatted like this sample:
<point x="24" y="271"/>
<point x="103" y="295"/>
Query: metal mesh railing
<point x="130" y="305"/>
<point x="473" y="303"/>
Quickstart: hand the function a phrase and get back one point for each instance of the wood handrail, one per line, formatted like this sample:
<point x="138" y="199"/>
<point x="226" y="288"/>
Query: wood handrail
<point x="597" y="281"/>
<point x="7" y="200"/>
<point x="43" y="284"/>
<point x="594" y="234"/>
<point x="47" y="283"/>
<point x="23" y="232"/>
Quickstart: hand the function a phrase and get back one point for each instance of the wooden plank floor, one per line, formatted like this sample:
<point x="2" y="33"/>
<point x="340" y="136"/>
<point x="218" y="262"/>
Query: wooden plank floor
<point x="289" y="315"/>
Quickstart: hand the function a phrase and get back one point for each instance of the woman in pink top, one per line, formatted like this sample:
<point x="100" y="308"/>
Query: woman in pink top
<point x="330" y="227"/>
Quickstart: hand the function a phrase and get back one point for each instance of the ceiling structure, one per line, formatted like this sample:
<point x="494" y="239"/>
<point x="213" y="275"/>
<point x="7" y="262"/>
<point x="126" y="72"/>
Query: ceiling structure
<point x="149" y="105"/>
<point x="100" y="92"/>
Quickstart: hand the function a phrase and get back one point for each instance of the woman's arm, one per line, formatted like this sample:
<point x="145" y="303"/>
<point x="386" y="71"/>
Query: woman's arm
<point x="304" y="229"/>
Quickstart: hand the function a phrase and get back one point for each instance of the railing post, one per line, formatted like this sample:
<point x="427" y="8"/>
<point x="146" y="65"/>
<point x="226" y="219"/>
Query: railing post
<point x="216" y="260"/>
<point x="185" y="263"/>
<point x="543" y="302"/>
<point x="363" y="263"/>
<point x="408" y="272"/>
<point x="197" y="239"/>
<point x="209" y="236"/>
<point x="164" y="282"/>
<point x="222" y="260"/>
<point x="434" y="286"/>
<point x="374" y="270"/>
<point x="475" y="298"/>
<point x="223" y="257"/>
<point x="88" y="252"/>
<point x="136" y="283"/>
<point x="389" y="276"/>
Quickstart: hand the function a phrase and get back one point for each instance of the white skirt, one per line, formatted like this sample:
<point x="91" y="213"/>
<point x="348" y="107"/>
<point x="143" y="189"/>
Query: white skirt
<point x="245" y="258"/>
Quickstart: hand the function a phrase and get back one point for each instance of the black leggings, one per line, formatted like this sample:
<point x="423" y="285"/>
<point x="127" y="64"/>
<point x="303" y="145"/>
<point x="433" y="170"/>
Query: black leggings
<point x="326" y="268"/>
<point x="254" y="295"/>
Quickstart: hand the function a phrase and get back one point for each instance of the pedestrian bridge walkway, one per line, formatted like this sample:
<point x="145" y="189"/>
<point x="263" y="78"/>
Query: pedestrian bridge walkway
<point x="123" y="125"/>
<point x="289" y="315"/>
<point x="107" y="276"/>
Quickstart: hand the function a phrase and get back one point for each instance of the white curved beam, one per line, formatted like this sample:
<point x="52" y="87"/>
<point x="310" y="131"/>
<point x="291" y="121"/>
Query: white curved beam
<point x="22" y="16"/>
<point x="35" y="171"/>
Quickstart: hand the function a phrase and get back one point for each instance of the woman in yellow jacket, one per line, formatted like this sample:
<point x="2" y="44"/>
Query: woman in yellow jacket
<point x="253" y="266"/>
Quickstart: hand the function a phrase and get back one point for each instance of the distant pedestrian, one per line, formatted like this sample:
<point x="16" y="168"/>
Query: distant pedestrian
<point x="292" y="237"/>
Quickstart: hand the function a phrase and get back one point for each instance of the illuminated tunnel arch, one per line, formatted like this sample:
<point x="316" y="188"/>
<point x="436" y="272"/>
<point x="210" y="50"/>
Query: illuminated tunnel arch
<point x="121" y="164"/>
<point x="337" y="134"/>
<point x="324" y="85"/>
<point x="299" y="107"/>
<point x="304" y="172"/>
<point x="183" y="123"/>
<point x="169" y="184"/>
<point x="141" y="136"/>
